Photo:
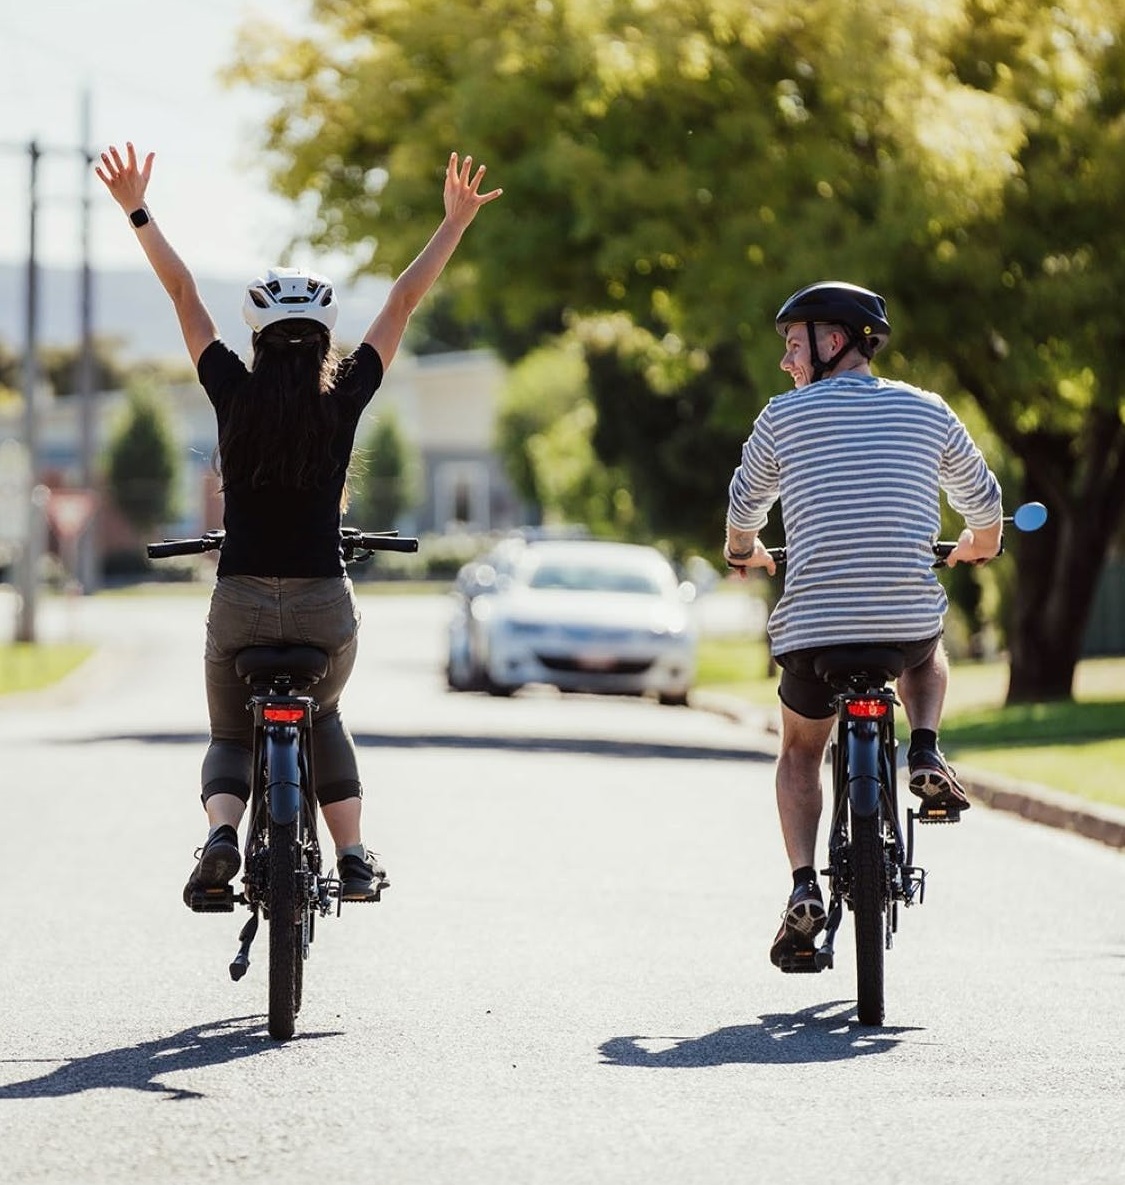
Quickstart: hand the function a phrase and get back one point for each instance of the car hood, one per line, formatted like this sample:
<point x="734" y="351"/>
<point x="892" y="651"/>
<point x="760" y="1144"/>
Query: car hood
<point x="612" y="610"/>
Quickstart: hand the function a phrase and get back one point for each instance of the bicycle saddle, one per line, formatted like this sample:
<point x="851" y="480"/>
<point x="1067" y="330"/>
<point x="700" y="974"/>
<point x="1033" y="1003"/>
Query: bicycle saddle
<point x="844" y="662"/>
<point x="303" y="664"/>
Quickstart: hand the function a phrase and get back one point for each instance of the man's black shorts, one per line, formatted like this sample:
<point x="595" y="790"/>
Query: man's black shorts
<point x="802" y="692"/>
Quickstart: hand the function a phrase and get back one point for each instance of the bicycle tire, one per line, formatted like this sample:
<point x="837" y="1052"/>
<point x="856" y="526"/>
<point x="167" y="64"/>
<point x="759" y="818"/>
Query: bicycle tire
<point x="868" y="905"/>
<point x="285" y="930"/>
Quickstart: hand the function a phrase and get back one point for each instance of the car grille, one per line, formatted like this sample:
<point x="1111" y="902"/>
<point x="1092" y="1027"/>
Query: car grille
<point x="617" y="666"/>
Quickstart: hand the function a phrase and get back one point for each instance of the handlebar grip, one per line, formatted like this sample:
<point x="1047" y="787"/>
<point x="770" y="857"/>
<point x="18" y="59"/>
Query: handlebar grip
<point x="170" y="547"/>
<point x="380" y="543"/>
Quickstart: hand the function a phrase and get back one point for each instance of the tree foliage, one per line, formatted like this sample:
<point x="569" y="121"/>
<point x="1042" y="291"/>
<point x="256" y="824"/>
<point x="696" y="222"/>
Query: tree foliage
<point x="545" y="433"/>
<point x="386" y="479"/>
<point x="674" y="168"/>
<point x="142" y="462"/>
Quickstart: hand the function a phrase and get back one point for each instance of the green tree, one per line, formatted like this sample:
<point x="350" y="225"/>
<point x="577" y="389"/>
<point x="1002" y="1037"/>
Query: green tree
<point x="545" y="435"/>
<point x="386" y="481"/>
<point x="142" y="462"/>
<point x="674" y="170"/>
<point x="62" y="367"/>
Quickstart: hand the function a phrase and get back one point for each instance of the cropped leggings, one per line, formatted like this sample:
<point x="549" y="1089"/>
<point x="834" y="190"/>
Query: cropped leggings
<point x="278" y="611"/>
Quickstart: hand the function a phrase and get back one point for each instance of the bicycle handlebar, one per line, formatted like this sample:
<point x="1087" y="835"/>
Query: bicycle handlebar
<point x="941" y="549"/>
<point x="1028" y="517"/>
<point x="352" y="540"/>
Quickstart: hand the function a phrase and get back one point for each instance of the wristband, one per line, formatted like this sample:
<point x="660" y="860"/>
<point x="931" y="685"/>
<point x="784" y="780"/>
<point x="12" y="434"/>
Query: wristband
<point x="740" y="555"/>
<point x="139" y="218"/>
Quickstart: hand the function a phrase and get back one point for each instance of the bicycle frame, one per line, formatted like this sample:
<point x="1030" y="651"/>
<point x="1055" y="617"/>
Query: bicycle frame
<point x="869" y="860"/>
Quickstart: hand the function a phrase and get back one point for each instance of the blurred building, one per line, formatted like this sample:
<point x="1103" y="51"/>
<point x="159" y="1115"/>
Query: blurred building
<point x="445" y="405"/>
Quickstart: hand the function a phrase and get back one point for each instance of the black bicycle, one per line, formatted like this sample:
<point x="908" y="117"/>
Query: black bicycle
<point x="871" y="867"/>
<point x="282" y="877"/>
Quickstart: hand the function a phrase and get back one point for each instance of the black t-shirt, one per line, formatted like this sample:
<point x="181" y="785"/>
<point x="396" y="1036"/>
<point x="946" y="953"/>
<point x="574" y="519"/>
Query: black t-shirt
<point x="273" y="530"/>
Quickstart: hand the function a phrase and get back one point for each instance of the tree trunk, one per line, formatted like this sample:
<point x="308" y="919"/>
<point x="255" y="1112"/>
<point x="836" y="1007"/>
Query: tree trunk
<point x="1058" y="571"/>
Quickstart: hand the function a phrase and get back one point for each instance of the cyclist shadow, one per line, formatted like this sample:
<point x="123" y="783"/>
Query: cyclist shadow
<point x="823" y="1033"/>
<point x="141" y="1067"/>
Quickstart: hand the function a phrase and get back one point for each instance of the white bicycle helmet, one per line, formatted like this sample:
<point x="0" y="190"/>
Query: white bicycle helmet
<point x="288" y="293"/>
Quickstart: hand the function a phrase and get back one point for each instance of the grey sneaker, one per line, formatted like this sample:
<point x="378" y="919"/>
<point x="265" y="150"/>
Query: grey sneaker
<point x="802" y="921"/>
<point x="218" y="860"/>
<point x="362" y="880"/>
<point x="934" y="782"/>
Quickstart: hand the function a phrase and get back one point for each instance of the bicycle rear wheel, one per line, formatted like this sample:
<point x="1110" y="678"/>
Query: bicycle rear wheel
<point x="868" y="905"/>
<point x="285" y="930"/>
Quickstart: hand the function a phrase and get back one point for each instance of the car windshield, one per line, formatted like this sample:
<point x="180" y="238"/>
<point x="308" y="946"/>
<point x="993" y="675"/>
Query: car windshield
<point x="590" y="577"/>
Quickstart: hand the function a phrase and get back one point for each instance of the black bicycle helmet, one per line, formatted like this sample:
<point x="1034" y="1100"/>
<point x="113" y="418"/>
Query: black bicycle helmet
<point x="834" y="302"/>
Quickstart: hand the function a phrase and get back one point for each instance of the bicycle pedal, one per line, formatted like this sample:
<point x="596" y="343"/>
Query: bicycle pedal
<point x="938" y="814"/>
<point x="801" y="962"/>
<point x="218" y="900"/>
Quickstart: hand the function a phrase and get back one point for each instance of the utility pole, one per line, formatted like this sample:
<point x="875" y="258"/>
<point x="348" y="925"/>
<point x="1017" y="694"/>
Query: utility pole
<point x="37" y="496"/>
<point x="87" y="574"/>
<point x="29" y="559"/>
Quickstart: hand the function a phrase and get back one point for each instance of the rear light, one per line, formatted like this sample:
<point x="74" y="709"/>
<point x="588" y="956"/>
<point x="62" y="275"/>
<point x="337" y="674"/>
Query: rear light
<point x="867" y="709"/>
<point x="283" y="715"/>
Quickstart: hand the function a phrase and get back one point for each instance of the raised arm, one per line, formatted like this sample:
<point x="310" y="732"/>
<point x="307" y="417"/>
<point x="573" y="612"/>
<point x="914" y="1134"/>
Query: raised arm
<point x="127" y="183"/>
<point x="462" y="201"/>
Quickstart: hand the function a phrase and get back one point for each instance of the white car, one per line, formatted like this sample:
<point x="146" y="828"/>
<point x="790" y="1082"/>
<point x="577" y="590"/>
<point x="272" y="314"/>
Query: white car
<point x="579" y="615"/>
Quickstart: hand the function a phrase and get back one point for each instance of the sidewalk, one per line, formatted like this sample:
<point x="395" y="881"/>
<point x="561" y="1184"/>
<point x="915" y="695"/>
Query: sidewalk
<point x="1037" y="804"/>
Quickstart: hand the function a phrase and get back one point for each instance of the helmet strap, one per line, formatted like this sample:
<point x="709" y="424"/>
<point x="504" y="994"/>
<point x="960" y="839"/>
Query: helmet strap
<point x="821" y="366"/>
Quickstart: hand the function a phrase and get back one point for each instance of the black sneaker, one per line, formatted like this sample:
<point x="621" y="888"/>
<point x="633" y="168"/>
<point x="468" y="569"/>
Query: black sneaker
<point x="361" y="880"/>
<point x="218" y="860"/>
<point x="934" y="782"/>
<point x="802" y="921"/>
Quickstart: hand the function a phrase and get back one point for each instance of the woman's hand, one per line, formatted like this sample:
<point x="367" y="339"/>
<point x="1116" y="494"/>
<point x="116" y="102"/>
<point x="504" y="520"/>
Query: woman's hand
<point x="125" y="181"/>
<point x="462" y="191"/>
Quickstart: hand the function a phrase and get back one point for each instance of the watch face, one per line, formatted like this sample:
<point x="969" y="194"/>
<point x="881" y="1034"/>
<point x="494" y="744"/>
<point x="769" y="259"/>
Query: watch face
<point x="139" y="217"/>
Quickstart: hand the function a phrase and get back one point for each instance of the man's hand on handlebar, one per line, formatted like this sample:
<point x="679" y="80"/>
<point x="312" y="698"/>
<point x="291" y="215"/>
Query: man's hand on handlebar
<point x="740" y="563"/>
<point x="976" y="546"/>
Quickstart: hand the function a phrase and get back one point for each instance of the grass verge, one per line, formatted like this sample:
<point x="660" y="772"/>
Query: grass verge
<point x="1077" y="747"/>
<point x="27" y="666"/>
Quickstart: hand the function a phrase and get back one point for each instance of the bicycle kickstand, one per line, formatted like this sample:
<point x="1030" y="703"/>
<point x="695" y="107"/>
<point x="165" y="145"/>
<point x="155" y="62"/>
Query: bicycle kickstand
<point x="241" y="963"/>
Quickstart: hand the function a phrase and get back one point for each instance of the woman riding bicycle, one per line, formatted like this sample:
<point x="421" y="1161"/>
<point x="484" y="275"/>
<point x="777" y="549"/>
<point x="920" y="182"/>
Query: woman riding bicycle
<point x="286" y="428"/>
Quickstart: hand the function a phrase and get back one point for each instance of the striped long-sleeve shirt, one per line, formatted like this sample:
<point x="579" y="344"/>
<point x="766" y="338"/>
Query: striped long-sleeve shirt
<point x="857" y="463"/>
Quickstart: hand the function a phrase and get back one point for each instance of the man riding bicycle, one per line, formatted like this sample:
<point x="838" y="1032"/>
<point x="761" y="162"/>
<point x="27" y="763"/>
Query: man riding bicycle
<point x="858" y="463"/>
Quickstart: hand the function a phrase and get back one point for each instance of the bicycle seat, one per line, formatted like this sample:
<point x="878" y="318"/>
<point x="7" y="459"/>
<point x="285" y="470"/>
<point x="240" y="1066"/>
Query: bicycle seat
<point x="303" y="664"/>
<point x="881" y="663"/>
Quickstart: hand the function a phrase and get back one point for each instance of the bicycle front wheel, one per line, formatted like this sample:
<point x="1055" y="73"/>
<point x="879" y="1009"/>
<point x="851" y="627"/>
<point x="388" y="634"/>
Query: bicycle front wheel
<point x="869" y="901"/>
<point x="285" y="929"/>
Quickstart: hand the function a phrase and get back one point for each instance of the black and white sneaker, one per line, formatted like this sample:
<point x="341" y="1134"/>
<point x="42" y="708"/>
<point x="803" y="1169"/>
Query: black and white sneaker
<point x="362" y="879"/>
<point x="802" y="921"/>
<point x="934" y="782"/>
<point x="217" y="862"/>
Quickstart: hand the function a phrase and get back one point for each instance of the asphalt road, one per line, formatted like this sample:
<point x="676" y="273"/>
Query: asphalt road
<point x="568" y="980"/>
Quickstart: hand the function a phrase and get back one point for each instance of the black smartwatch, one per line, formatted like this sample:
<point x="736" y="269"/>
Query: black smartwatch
<point x="139" y="218"/>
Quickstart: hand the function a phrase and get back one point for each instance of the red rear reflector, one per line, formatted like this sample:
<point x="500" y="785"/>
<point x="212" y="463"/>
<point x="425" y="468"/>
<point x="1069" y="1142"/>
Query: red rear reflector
<point x="867" y="709"/>
<point x="284" y="715"/>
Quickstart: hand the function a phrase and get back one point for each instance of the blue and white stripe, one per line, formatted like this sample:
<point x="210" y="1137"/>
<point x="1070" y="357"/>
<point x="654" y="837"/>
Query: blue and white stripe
<point x="857" y="463"/>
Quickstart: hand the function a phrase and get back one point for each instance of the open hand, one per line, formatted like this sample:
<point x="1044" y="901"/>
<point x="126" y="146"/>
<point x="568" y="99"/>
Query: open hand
<point x="125" y="181"/>
<point x="462" y="190"/>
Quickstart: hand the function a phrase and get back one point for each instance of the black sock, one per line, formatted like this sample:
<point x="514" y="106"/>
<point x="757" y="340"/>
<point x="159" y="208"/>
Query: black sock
<point x="922" y="738"/>
<point x="804" y="876"/>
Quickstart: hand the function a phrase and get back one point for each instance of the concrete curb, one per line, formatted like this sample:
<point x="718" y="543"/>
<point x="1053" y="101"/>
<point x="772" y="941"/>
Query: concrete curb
<point x="1038" y="804"/>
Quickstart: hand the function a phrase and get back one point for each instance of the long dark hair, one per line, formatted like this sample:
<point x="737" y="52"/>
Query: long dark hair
<point x="280" y="425"/>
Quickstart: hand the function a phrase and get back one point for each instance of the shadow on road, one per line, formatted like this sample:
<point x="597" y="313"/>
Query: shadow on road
<point x="592" y="747"/>
<point x="824" y="1033"/>
<point x="141" y="1067"/>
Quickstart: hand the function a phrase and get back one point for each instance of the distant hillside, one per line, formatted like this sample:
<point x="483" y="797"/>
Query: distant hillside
<point x="132" y="307"/>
